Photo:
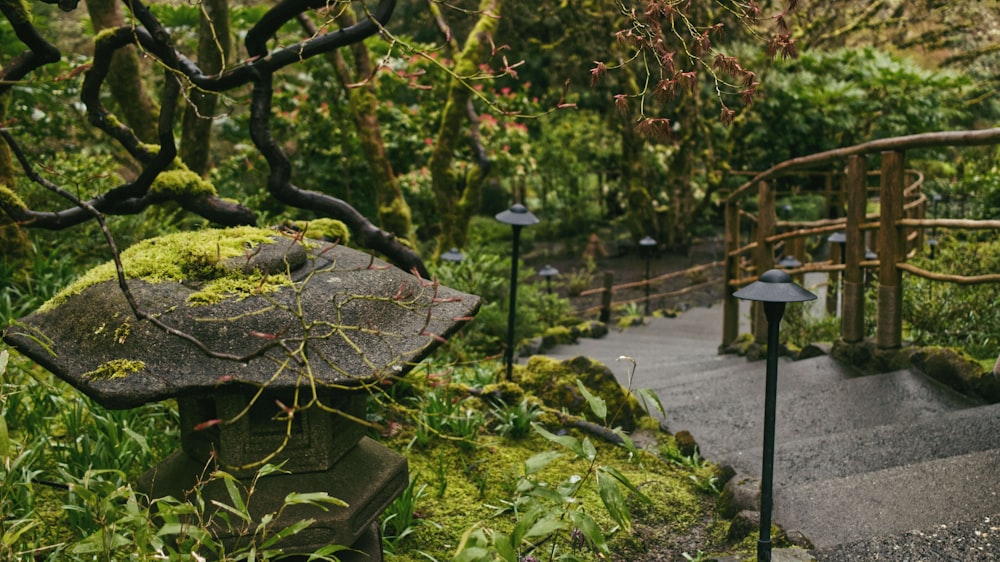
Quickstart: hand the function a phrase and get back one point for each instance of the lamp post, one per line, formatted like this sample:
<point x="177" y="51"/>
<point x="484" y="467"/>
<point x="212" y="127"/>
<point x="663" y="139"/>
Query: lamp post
<point x="548" y="272"/>
<point x="453" y="255"/>
<point x="518" y="217"/>
<point x="774" y="288"/>
<point x="838" y="242"/>
<point x="647" y="244"/>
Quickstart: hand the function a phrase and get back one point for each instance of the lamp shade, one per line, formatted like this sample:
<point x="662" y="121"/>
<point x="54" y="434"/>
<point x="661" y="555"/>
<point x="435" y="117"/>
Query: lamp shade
<point x="647" y="242"/>
<point x="789" y="262"/>
<point x="453" y="255"/>
<point x="837" y="237"/>
<point x="774" y="285"/>
<point x="548" y="271"/>
<point x="517" y="215"/>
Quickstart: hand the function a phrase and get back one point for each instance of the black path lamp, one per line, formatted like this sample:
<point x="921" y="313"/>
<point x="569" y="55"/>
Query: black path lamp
<point x="647" y="244"/>
<point x="518" y="217"/>
<point x="841" y="239"/>
<point x="789" y="262"/>
<point x="453" y="255"/>
<point x="773" y="288"/>
<point x="547" y="273"/>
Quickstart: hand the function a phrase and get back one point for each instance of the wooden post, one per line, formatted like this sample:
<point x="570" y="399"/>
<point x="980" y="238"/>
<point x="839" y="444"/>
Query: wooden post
<point x="606" y="297"/>
<point x="892" y="250"/>
<point x="767" y="224"/>
<point x="730" y="304"/>
<point x="852" y="321"/>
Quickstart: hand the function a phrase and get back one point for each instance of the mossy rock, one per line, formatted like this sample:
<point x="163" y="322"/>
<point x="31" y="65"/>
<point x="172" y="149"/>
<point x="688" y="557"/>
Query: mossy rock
<point x="593" y="329"/>
<point x="555" y="383"/>
<point x="867" y="357"/>
<point x="952" y="367"/>
<point x="557" y="335"/>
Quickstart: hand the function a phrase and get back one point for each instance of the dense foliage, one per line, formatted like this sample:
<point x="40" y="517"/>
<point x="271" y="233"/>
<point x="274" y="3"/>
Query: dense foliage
<point x="624" y="117"/>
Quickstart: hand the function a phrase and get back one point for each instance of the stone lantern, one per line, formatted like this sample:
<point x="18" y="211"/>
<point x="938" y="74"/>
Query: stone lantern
<point x="270" y="344"/>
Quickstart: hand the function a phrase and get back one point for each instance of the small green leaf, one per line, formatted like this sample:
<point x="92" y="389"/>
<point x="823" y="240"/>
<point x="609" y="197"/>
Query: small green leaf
<point x="269" y="469"/>
<point x="547" y="493"/>
<point x="590" y="530"/>
<point x="505" y="549"/>
<point x="597" y="404"/>
<point x="539" y="461"/>
<point x="545" y="527"/>
<point x="626" y="441"/>
<point x="288" y="531"/>
<point x="4" y="440"/>
<point x="316" y="499"/>
<point x="589" y="451"/>
<point x="649" y="397"/>
<point x="230" y="509"/>
<point x="568" y="441"/>
<point x="235" y="496"/>
<point x="613" y="500"/>
<point x="625" y="482"/>
<point x="16" y="529"/>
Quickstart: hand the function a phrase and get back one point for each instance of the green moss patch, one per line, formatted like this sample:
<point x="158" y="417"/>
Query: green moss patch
<point x="325" y="229"/>
<point x="195" y="257"/>
<point x="115" y="369"/>
<point x="465" y="489"/>
<point x="182" y="183"/>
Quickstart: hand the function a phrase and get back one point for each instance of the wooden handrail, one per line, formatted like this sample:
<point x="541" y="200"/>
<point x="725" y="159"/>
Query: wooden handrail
<point x="902" y="207"/>
<point x="967" y="224"/>
<point x="957" y="279"/>
<point x="922" y="140"/>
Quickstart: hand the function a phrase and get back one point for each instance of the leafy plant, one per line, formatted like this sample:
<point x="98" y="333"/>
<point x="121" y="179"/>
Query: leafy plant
<point x="400" y="519"/>
<point x="550" y="512"/>
<point x="515" y="421"/>
<point x="631" y="314"/>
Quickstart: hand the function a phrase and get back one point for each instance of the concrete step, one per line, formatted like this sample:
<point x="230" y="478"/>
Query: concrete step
<point x="923" y="495"/>
<point x="871" y="449"/>
<point x="725" y="415"/>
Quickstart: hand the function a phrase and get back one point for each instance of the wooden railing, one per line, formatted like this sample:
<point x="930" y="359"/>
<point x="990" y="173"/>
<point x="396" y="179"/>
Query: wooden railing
<point x="608" y="290"/>
<point x="898" y="228"/>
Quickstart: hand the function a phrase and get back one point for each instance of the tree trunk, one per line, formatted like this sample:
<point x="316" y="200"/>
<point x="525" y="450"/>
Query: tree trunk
<point x="13" y="241"/>
<point x="393" y="211"/>
<point x="214" y="48"/>
<point x="124" y="80"/>
<point x="458" y="192"/>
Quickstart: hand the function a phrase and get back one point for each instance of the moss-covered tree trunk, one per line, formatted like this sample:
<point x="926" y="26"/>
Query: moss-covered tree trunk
<point x="13" y="241"/>
<point x="124" y="80"/>
<point x="457" y="189"/>
<point x="393" y="211"/>
<point x="214" y="48"/>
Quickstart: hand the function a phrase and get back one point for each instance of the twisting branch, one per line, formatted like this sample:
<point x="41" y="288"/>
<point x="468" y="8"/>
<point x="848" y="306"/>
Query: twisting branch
<point x="95" y="214"/>
<point x="40" y="52"/>
<point x="154" y="39"/>
<point x="280" y="186"/>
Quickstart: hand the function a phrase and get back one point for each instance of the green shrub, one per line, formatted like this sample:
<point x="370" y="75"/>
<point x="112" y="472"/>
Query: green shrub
<point x="951" y="315"/>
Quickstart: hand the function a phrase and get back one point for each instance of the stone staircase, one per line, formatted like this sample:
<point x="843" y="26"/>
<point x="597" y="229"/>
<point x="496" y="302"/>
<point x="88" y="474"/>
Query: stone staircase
<point x="878" y="467"/>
